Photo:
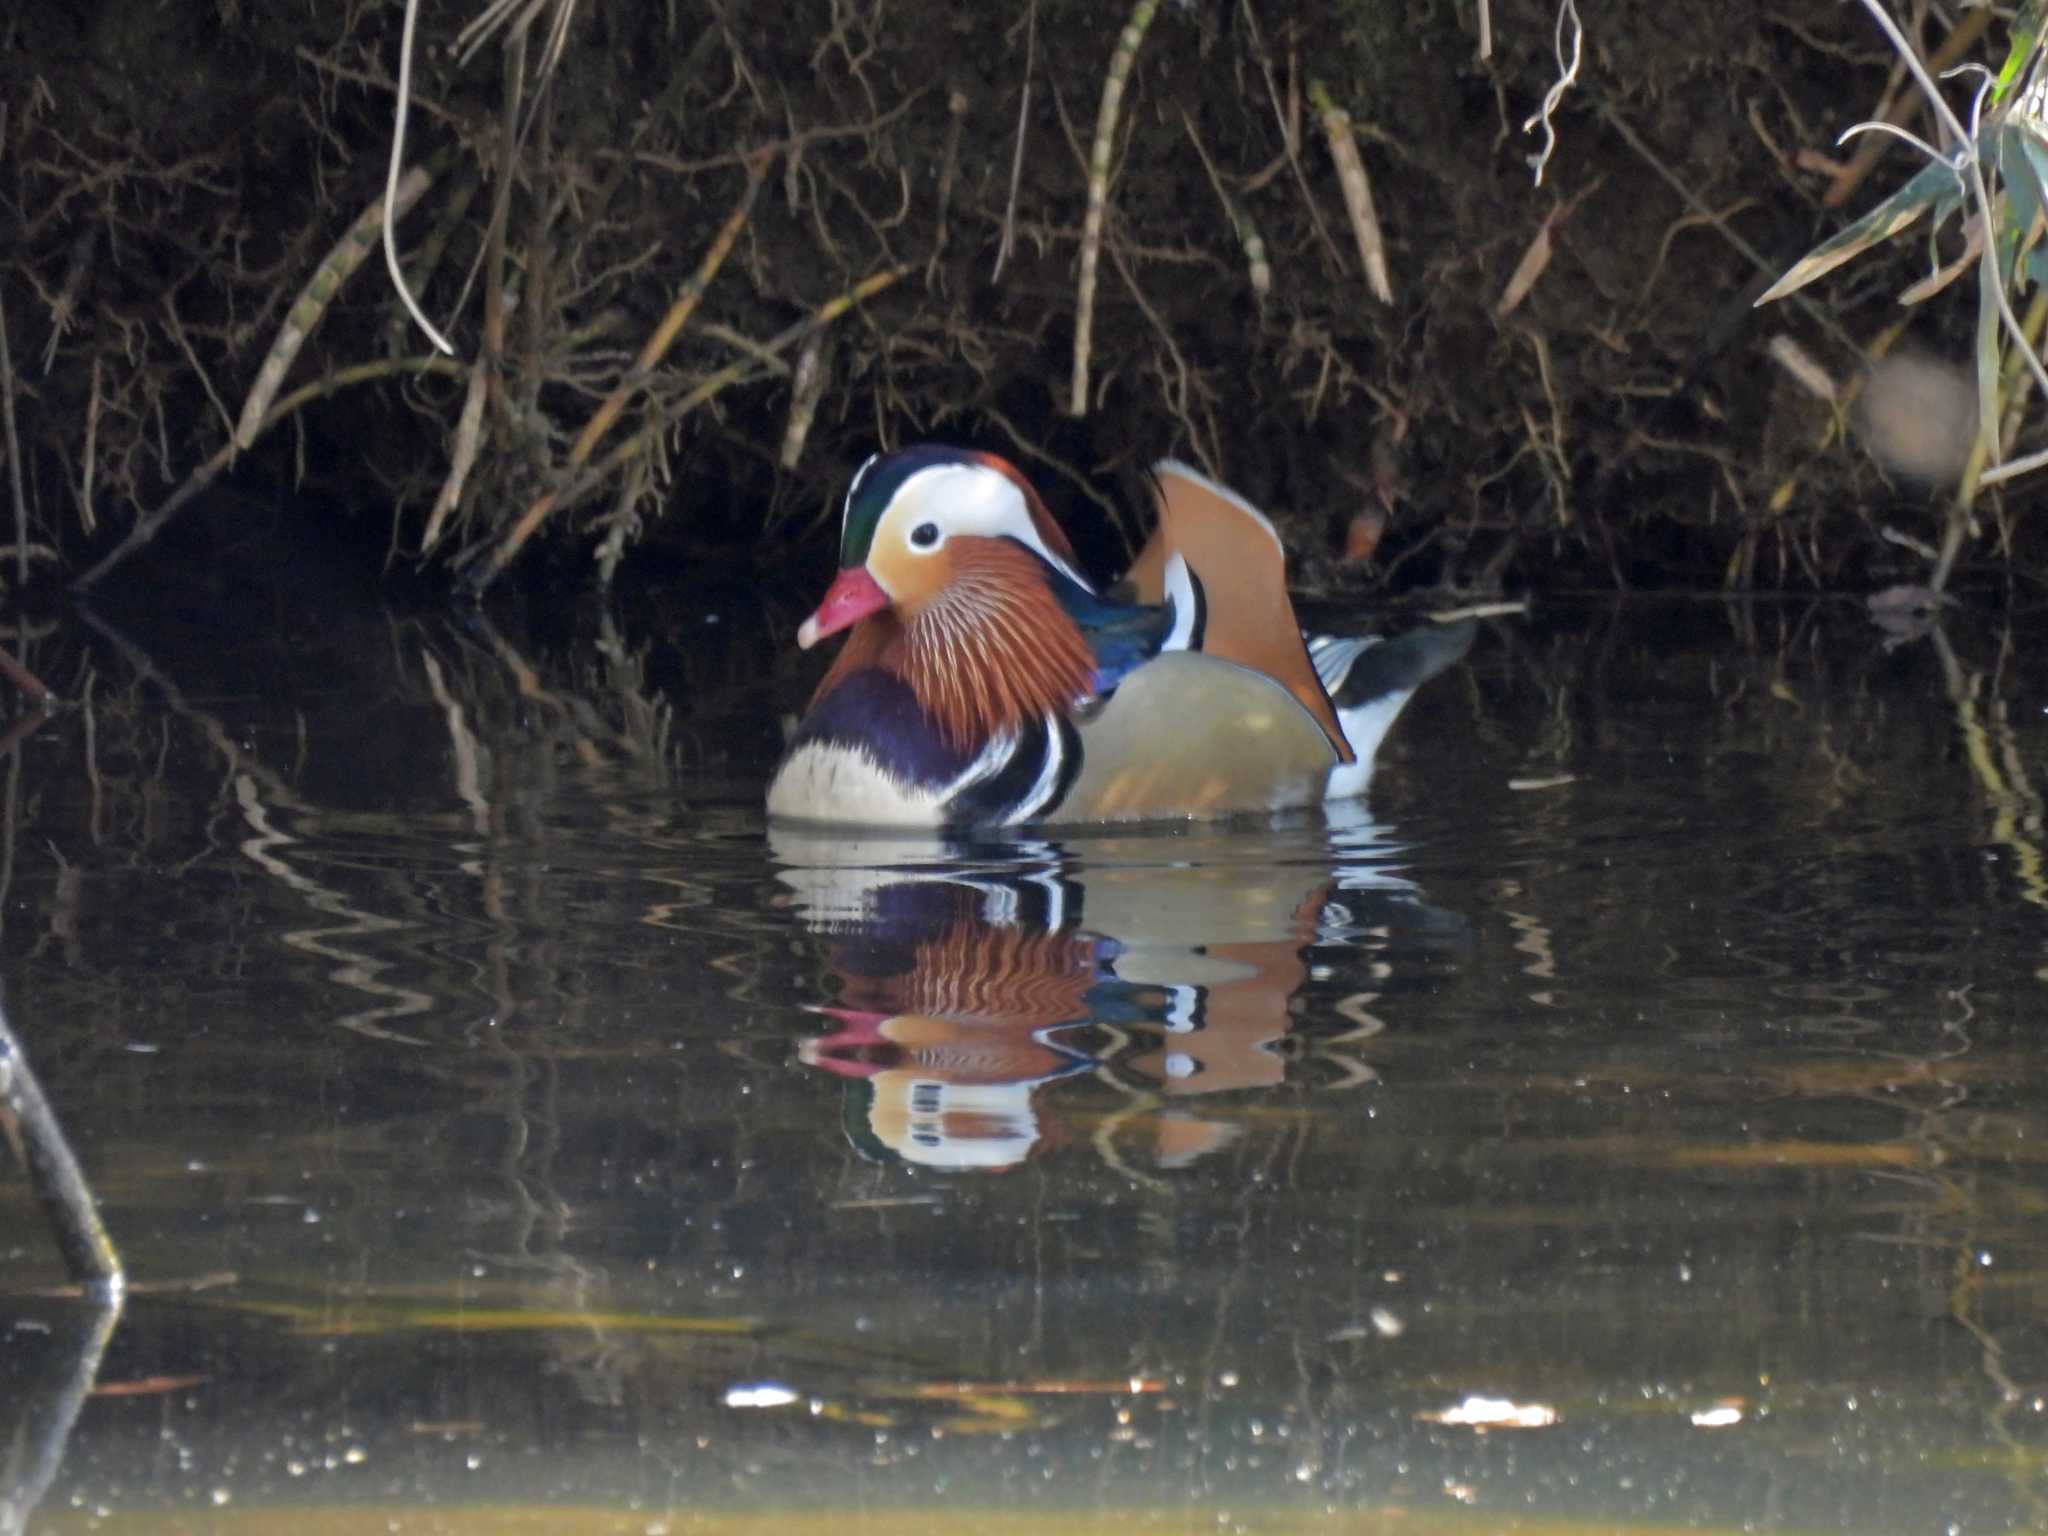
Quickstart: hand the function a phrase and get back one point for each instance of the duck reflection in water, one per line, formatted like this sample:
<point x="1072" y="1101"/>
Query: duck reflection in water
<point x="975" y="978"/>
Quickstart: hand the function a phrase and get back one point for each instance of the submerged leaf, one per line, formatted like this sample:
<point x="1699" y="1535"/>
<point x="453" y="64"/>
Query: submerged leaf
<point x="1934" y="187"/>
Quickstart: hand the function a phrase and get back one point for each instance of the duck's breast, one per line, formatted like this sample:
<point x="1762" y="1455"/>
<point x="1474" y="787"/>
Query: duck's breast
<point x="866" y="754"/>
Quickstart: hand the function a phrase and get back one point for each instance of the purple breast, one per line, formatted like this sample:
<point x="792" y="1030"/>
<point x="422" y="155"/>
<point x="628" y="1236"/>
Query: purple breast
<point x="875" y="711"/>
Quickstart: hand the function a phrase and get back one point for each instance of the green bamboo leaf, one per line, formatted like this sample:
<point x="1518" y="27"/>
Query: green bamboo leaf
<point x="2022" y="167"/>
<point x="2022" y="152"/>
<point x="2026" y="33"/>
<point x="1934" y="187"/>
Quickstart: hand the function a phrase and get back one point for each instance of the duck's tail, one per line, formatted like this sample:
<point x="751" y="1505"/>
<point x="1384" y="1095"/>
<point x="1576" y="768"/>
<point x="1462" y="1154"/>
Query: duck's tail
<point x="1369" y="679"/>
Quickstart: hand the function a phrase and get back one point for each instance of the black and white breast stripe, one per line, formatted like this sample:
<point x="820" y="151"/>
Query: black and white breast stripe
<point x="1017" y="776"/>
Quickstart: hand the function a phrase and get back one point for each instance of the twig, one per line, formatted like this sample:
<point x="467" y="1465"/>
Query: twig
<point x="957" y="103"/>
<point x="513" y="70"/>
<point x="88" y="519"/>
<point x="2012" y="468"/>
<point x="306" y="311"/>
<point x="89" y="1254"/>
<point x="1029" y="447"/>
<point x="463" y="450"/>
<point x="192" y="357"/>
<point x="441" y="343"/>
<point x="1567" y="77"/>
<point x="806" y="389"/>
<point x="487" y="569"/>
<point x="679" y="311"/>
<point x="1182" y="385"/>
<point x="1970" y="26"/>
<point x="1904" y="540"/>
<point x="870" y="129"/>
<point x="149" y="527"/>
<point x="13" y="453"/>
<point x="1365" y="224"/>
<point x="328" y="65"/>
<point x="76" y="270"/>
<point x="1287" y="115"/>
<point x="1003" y="247"/>
<point x="1478" y="611"/>
<point x="1098" y="193"/>
<point x="1260" y="269"/>
<point x="739" y="341"/>
<point x="32" y="687"/>
<point x="651" y="352"/>
<point x="1721" y="226"/>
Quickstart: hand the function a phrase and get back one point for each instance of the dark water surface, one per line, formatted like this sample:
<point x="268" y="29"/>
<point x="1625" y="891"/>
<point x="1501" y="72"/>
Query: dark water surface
<point x="508" y="1131"/>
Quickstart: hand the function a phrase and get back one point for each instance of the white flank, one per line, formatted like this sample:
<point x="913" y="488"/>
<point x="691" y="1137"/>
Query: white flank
<point x="1365" y="728"/>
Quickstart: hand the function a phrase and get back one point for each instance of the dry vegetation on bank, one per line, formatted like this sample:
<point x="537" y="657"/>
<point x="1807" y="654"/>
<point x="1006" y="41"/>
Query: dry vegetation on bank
<point x="739" y="246"/>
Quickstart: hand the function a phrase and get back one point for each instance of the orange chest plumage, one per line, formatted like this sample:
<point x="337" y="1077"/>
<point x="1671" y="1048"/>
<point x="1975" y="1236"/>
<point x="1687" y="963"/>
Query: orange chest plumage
<point x="988" y="652"/>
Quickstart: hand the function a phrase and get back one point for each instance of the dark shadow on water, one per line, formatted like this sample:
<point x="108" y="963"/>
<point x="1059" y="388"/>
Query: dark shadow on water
<point x="1633" y="1120"/>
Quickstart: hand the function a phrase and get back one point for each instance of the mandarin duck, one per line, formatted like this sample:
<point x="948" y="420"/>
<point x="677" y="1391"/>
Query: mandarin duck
<point x="986" y="682"/>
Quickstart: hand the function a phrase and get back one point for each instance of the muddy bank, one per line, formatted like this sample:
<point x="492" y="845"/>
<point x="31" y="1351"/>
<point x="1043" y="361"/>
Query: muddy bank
<point x="704" y="261"/>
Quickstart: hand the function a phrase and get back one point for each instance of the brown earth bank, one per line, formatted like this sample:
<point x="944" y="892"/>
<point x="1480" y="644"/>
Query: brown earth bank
<point x="700" y="260"/>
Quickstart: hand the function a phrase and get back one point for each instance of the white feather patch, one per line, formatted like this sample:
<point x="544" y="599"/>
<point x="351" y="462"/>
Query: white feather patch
<point x="824" y="781"/>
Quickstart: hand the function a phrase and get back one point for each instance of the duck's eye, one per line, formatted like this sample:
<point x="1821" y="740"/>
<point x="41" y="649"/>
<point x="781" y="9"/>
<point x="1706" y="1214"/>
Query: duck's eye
<point x="924" y="536"/>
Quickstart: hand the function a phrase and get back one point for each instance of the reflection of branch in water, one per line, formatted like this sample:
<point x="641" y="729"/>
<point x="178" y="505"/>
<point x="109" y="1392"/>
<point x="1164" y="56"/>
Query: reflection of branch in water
<point x="1967" y="1270"/>
<point x="1953" y="1218"/>
<point x="467" y="751"/>
<point x="1534" y="941"/>
<point x="216" y="734"/>
<point x="1995" y="760"/>
<point x="38" y="1451"/>
<point x="8" y="744"/>
<point x="592" y="733"/>
<point x="1254" y="1198"/>
<point x="255" y="784"/>
<point x="24" y="725"/>
<point x="1140" y="1104"/>
<point x="538" y="1214"/>
<point x="526" y="1170"/>
<point x="649" y="717"/>
<point x="1355" y="1010"/>
<point x="356" y="969"/>
<point x="1967" y="1273"/>
<point x="29" y="1125"/>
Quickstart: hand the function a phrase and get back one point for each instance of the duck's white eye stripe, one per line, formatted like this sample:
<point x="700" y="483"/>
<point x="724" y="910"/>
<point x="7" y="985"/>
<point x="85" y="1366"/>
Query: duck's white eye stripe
<point x="853" y="486"/>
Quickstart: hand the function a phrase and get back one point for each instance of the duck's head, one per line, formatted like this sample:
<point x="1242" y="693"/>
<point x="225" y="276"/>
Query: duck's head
<point x="920" y="520"/>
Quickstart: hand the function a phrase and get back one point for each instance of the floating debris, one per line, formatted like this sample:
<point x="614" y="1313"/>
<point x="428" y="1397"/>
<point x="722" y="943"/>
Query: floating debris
<point x="759" y="1394"/>
<point x="1494" y="1413"/>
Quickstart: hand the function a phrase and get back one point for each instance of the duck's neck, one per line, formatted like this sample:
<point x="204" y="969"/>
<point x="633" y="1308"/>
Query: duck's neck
<point x="994" y="648"/>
